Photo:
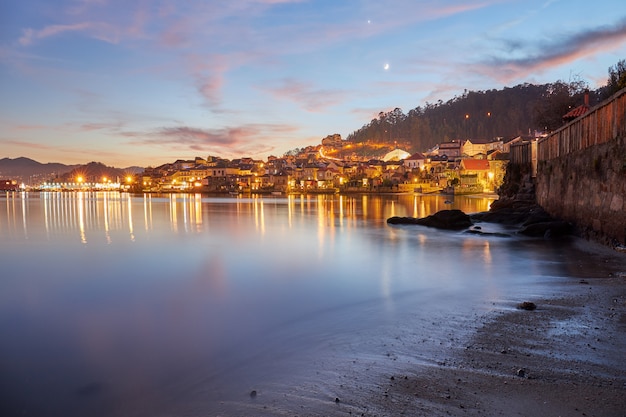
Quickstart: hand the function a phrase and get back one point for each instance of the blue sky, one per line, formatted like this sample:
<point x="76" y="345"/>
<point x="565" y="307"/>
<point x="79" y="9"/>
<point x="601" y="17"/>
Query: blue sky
<point x="150" y="81"/>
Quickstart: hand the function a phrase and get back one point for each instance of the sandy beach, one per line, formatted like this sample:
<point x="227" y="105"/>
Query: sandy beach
<point x="565" y="358"/>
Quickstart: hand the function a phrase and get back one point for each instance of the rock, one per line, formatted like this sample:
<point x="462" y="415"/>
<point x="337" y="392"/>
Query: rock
<point x="527" y="305"/>
<point x="480" y="232"/>
<point x="253" y="394"/>
<point x="620" y="248"/>
<point x="402" y="220"/>
<point x="512" y="212"/>
<point x="521" y="373"/>
<point x="537" y="216"/>
<point x="444" y="219"/>
<point x="549" y="229"/>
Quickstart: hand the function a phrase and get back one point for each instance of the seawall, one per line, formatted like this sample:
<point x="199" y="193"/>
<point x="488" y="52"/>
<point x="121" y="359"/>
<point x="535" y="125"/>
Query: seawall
<point x="588" y="188"/>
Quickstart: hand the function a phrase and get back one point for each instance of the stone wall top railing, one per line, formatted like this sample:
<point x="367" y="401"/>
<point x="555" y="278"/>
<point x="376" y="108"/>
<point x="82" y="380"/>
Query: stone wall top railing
<point x="604" y="122"/>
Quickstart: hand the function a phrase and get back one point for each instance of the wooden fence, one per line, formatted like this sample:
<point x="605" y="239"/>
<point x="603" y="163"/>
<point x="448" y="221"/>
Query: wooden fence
<point x="601" y="124"/>
<point x="521" y="153"/>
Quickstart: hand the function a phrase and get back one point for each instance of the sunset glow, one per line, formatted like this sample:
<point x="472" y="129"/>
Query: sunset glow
<point x="143" y="83"/>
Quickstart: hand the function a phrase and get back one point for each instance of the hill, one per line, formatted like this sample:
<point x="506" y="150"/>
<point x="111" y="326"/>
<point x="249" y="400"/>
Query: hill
<point x="25" y="169"/>
<point x="97" y="172"/>
<point x="32" y="172"/>
<point x="509" y="112"/>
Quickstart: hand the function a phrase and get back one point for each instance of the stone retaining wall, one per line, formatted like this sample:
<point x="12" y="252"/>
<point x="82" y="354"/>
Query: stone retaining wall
<point x="588" y="188"/>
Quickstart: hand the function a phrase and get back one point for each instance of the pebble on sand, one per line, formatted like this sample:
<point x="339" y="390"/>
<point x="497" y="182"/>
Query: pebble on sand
<point x="527" y="305"/>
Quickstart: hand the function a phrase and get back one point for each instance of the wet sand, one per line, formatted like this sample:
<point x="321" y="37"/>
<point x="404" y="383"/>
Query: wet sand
<point x="566" y="358"/>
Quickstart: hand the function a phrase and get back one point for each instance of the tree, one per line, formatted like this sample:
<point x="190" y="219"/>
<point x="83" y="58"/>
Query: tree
<point x="558" y="99"/>
<point x="294" y="152"/>
<point x="617" y="78"/>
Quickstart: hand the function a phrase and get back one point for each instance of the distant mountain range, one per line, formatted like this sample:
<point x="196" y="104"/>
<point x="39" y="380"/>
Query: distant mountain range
<point x="31" y="171"/>
<point x="25" y="167"/>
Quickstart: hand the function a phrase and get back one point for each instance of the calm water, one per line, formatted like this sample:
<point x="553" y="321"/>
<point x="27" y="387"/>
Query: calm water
<point x="120" y="305"/>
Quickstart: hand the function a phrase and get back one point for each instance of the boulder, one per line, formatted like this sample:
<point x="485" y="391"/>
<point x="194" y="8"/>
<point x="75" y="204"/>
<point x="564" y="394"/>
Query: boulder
<point x="402" y="220"/>
<point x="512" y="212"/>
<point x="549" y="229"/>
<point x="444" y="219"/>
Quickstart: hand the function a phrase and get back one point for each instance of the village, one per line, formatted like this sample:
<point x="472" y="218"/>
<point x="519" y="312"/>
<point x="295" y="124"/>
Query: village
<point x="334" y="166"/>
<point x="455" y="167"/>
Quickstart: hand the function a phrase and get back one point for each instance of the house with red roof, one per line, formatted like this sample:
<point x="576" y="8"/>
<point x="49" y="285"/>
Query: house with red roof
<point x="478" y="171"/>
<point x="578" y="111"/>
<point x="474" y="166"/>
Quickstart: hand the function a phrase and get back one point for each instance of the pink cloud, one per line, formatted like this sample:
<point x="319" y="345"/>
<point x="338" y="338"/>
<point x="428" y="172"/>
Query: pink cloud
<point x="89" y="127"/>
<point x="29" y="145"/>
<point x="208" y="74"/>
<point x="252" y="138"/>
<point x="209" y="87"/>
<point x="100" y="32"/>
<point x="209" y="71"/>
<point x="313" y="100"/>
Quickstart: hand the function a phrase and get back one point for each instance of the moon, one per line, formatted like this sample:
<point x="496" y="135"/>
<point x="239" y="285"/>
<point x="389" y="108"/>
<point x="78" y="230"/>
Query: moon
<point x="386" y="67"/>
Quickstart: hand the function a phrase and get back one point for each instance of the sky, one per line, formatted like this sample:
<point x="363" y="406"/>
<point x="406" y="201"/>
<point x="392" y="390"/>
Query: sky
<point x="145" y="82"/>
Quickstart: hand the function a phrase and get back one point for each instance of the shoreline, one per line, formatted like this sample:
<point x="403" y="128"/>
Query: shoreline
<point x="563" y="359"/>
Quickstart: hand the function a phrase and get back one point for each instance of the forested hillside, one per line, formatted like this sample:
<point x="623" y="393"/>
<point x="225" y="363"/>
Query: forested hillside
<point x="506" y="113"/>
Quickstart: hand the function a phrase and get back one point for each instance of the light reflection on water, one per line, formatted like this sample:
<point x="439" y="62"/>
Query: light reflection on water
<point x="104" y="212"/>
<point x="117" y="304"/>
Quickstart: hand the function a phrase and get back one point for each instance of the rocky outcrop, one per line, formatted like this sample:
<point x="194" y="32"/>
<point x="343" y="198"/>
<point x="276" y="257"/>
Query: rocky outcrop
<point x="553" y="228"/>
<point x="516" y="207"/>
<point x="444" y="219"/>
<point x="531" y="219"/>
<point x="511" y="212"/>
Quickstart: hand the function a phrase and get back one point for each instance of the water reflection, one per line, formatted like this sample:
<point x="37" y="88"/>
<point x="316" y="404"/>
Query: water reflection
<point x="136" y="303"/>
<point x="88" y="215"/>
